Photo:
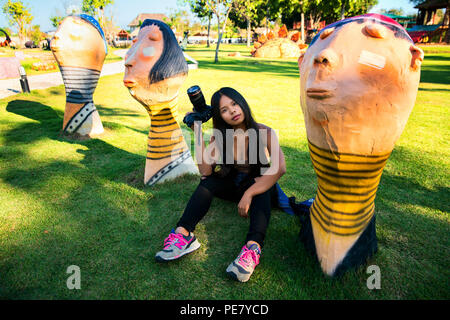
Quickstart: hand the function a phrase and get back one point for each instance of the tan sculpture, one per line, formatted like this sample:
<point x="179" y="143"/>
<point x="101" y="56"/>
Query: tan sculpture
<point x="358" y="85"/>
<point x="284" y="45"/>
<point x="155" y="69"/>
<point x="80" y="49"/>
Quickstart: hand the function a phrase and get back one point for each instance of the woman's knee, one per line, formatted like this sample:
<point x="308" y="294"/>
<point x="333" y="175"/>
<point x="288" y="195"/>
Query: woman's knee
<point x="211" y="183"/>
<point x="263" y="199"/>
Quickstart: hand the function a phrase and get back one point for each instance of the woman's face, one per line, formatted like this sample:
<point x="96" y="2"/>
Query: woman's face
<point x="230" y="111"/>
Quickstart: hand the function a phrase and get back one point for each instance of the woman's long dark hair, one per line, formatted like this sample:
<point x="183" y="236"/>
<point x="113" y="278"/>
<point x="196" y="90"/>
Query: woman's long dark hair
<point x="222" y="126"/>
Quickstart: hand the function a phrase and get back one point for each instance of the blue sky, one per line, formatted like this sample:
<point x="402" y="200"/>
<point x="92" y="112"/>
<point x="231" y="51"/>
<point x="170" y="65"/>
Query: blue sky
<point x="126" y="10"/>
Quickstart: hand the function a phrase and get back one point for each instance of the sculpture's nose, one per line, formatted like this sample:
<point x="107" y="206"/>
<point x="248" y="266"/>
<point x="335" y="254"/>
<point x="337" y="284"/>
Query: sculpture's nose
<point x="130" y="57"/>
<point x="129" y="61"/>
<point x="326" y="58"/>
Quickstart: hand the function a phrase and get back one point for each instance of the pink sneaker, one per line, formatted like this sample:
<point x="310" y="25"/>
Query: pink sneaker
<point x="177" y="245"/>
<point x="243" y="266"/>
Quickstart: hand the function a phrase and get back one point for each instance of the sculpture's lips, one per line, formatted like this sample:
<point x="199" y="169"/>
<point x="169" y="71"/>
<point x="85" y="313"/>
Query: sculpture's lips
<point x="129" y="83"/>
<point x="318" y="93"/>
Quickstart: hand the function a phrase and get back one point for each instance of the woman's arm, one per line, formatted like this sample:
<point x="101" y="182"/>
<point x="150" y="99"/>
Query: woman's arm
<point x="204" y="159"/>
<point x="270" y="177"/>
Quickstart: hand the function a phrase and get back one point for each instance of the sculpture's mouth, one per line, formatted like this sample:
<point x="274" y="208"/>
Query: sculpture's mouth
<point x="318" y="93"/>
<point x="129" y="83"/>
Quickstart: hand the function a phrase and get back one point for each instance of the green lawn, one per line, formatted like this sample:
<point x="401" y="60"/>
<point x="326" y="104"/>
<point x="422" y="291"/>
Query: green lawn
<point x="84" y="203"/>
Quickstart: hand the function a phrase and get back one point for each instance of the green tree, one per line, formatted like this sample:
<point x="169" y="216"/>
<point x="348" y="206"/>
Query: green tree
<point x="56" y="20"/>
<point x="245" y="12"/>
<point x="36" y="34"/>
<point x="199" y="8"/>
<point x="18" y="16"/>
<point x="397" y="12"/>
<point x="221" y="9"/>
<point x="178" y="19"/>
<point x="317" y="10"/>
<point x="96" y="8"/>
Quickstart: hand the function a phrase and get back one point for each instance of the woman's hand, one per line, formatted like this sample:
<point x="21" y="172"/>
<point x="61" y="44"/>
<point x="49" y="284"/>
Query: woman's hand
<point x="244" y="205"/>
<point x="188" y="113"/>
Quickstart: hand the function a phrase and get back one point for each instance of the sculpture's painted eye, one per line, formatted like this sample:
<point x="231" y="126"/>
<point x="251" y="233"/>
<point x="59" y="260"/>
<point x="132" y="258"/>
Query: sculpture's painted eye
<point x="375" y="31"/>
<point x="325" y="33"/>
<point x="155" y="35"/>
<point x="75" y="33"/>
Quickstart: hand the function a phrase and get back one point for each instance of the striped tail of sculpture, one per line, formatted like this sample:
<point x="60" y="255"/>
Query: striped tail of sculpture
<point x="168" y="155"/>
<point x="341" y="226"/>
<point x="80" y="116"/>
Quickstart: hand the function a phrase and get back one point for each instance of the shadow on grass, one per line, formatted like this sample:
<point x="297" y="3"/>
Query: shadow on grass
<point x="439" y="74"/>
<point x="273" y="67"/>
<point x="112" y="228"/>
<point x="434" y="90"/>
<point x="99" y="156"/>
<point x="435" y="74"/>
<point x="114" y="111"/>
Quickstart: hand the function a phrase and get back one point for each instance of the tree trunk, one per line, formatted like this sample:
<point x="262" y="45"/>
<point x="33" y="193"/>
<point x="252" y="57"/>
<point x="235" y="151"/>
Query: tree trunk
<point x="209" y="29"/>
<point x="303" y="27"/>
<point x="446" y="22"/>
<point x="344" y="2"/>
<point x="20" y="31"/>
<point x="248" y="32"/>
<point x="216" y="58"/>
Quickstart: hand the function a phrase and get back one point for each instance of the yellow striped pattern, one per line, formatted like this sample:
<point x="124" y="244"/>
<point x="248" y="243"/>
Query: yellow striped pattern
<point x="347" y="186"/>
<point x="165" y="138"/>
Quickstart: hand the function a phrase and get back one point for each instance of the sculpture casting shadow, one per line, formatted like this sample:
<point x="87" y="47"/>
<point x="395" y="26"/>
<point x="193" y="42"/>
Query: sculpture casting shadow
<point x="48" y="126"/>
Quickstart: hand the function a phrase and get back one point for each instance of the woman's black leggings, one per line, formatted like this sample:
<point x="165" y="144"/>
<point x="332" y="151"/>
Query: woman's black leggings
<point x="225" y="188"/>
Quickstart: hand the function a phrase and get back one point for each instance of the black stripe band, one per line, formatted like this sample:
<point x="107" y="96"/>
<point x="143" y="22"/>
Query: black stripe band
<point x="361" y="211"/>
<point x="153" y="119"/>
<point x="367" y="177"/>
<point x="165" y="145"/>
<point x="169" y="151"/>
<point x="78" y="69"/>
<point x="165" y="131"/>
<point x="162" y="114"/>
<point x="163" y="125"/>
<point x="347" y="162"/>
<point x="334" y="232"/>
<point x="164" y="157"/>
<point x="316" y="161"/>
<point x="349" y="154"/>
<point x="359" y="219"/>
<point x="169" y="167"/>
<point x="334" y="183"/>
<point x="355" y="194"/>
<point x="166" y="138"/>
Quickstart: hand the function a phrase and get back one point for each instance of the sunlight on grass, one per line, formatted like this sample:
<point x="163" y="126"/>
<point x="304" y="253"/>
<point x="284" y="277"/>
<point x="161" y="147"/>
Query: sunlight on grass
<point x="65" y="202"/>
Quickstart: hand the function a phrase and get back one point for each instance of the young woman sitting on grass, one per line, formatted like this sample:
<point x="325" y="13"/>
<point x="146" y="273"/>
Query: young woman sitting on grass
<point x="245" y="177"/>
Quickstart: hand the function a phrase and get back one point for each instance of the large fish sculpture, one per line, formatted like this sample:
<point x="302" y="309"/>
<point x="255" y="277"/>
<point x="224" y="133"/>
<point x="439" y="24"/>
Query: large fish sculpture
<point x="358" y="84"/>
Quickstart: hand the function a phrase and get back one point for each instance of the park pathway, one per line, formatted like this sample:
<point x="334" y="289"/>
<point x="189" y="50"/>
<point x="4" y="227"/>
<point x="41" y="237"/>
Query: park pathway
<point x="11" y="87"/>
